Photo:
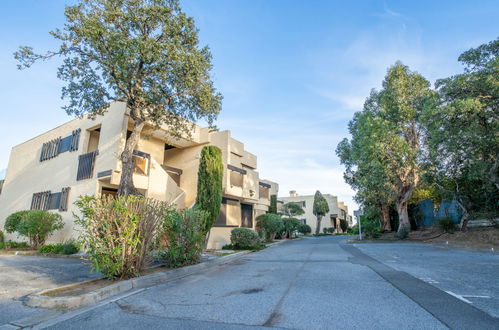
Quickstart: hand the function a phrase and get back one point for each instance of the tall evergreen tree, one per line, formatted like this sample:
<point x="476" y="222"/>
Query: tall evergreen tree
<point x="320" y="209"/>
<point x="209" y="188"/>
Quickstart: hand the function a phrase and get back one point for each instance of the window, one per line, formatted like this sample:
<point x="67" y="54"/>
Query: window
<point x="141" y="162"/>
<point x="59" y="145"/>
<point x="46" y="200"/>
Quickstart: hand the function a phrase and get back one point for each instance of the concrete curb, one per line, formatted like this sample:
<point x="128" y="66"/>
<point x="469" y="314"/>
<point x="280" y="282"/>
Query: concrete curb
<point x="72" y="302"/>
<point x="37" y="254"/>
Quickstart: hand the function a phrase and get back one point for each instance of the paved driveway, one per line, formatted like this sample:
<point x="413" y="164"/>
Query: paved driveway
<point x="314" y="283"/>
<point x="22" y="275"/>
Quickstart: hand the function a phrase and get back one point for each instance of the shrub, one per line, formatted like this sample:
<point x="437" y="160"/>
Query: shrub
<point x="343" y="225"/>
<point x="371" y="230"/>
<point x="184" y="237"/>
<point x="2" y="237"/>
<point x="446" y="224"/>
<point x="68" y="248"/>
<point x="15" y="245"/>
<point x="119" y="233"/>
<point x="271" y="224"/>
<point x="258" y="247"/>
<point x="36" y="225"/>
<point x="290" y="226"/>
<point x="244" y="238"/>
<point x="2" y="245"/>
<point x="403" y="233"/>
<point x="304" y="229"/>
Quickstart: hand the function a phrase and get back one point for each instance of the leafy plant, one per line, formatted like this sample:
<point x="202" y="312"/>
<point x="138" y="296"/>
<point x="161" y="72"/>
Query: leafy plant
<point x="2" y="237"/>
<point x="304" y="229"/>
<point x="251" y="248"/>
<point x="14" y="245"/>
<point x="67" y="248"/>
<point x="244" y="238"/>
<point x="446" y="224"/>
<point x="270" y="224"/>
<point x="290" y="226"/>
<point x="343" y="225"/>
<point x="183" y="234"/>
<point x="118" y="233"/>
<point x="36" y="225"/>
<point x="292" y="209"/>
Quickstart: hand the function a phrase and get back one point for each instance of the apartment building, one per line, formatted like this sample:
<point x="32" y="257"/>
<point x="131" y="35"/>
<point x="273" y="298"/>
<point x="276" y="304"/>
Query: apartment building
<point x="337" y="210"/>
<point x="81" y="157"/>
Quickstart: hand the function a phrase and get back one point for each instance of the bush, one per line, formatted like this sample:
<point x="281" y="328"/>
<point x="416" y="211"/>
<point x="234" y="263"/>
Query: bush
<point x="13" y="245"/>
<point x="371" y="230"/>
<point x="67" y="248"/>
<point x="36" y="225"/>
<point x="446" y="224"/>
<point x="403" y="233"/>
<point x="244" y="238"/>
<point x="2" y="237"/>
<point x="252" y="248"/>
<point x="304" y="229"/>
<point x="184" y="237"/>
<point x="119" y="233"/>
<point x="290" y="226"/>
<point x="343" y="225"/>
<point x="271" y="225"/>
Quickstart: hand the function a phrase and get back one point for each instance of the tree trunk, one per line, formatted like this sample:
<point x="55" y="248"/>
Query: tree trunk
<point x="126" y="186"/>
<point x="385" y="211"/>
<point x="404" y="223"/>
<point x="206" y="240"/>
<point x="318" y="228"/>
<point x="464" y="219"/>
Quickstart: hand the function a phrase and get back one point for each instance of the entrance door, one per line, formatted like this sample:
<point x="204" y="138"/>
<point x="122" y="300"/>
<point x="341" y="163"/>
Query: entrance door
<point x="247" y="215"/>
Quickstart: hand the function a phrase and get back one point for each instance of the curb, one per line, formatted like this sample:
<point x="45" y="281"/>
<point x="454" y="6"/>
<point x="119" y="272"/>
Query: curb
<point x="37" y="254"/>
<point x="73" y="302"/>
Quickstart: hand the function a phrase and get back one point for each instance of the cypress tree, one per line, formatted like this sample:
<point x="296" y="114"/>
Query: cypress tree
<point x="209" y="195"/>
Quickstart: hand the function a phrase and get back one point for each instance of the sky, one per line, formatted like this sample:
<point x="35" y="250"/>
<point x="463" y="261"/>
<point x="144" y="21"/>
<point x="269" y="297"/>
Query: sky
<point x="292" y="73"/>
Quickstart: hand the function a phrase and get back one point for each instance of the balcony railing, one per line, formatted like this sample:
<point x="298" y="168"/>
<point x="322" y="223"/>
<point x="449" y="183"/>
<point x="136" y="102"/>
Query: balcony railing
<point x="86" y="163"/>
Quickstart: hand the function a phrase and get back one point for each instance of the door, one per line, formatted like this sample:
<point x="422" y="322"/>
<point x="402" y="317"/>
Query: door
<point x="247" y="215"/>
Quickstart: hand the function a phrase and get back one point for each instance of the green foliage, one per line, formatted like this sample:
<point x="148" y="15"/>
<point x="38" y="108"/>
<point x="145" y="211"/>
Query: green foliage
<point x="446" y="224"/>
<point x="304" y="229"/>
<point x="273" y="204"/>
<point x="462" y="133"/>
<point x="244" y="239"/>
<point x="293" y="209"/>
<point x="402" y="234"/>
<point x="13" y="245"/>
<point x="270" y="224"/>
<point x="36" y="225"/>
<point x="209" y="188"/>
<point x="343" y="225"/>
<point x="67" y="248"/>
<point x="320" y="209"/>
<point x="118" y="233"/>
<point x="143" y="53"/>
<point x="290" y="226"/>
<point x="2" y="237"/>
<point x="184" y="235"/>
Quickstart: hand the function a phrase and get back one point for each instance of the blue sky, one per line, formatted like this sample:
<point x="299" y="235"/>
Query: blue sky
<point x="292" y="72"/>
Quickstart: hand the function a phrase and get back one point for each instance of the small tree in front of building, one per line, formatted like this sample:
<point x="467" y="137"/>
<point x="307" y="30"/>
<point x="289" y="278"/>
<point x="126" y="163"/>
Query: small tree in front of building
<point x="36" y="225"/>
<point x="293" y="209"/>
<point x="140" y="52"/>
<point x="273" y="204"/>
<point x="209" y="188"/>
<point x="320" y="209"/>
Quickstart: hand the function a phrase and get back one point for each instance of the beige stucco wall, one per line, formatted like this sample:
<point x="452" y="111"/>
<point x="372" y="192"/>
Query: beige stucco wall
<point x="309" y="216"/>
<point x="27" y="175"/>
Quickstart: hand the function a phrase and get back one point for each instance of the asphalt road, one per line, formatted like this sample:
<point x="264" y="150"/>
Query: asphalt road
<point x="313" y="283"/>
<point x="22" y="275"/>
